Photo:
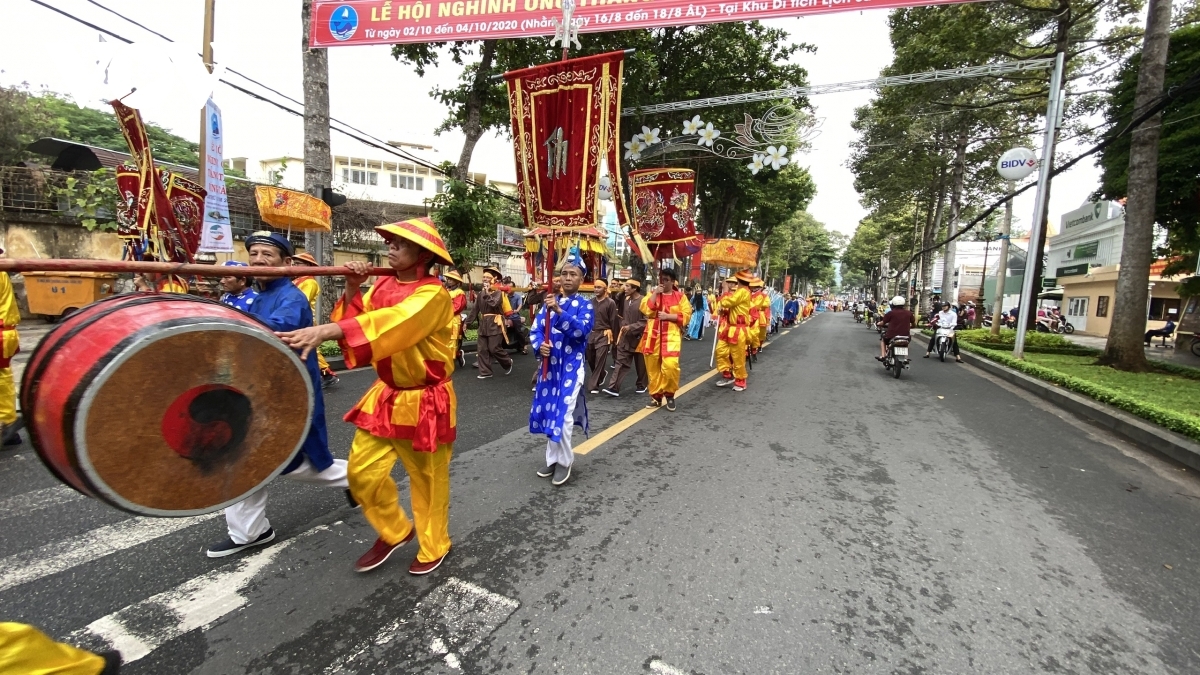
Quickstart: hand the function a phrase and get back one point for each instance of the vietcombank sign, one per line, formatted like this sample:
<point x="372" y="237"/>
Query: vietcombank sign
<point x="1088" y="214"/>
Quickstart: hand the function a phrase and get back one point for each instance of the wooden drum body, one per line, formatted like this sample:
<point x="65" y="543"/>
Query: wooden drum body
<point x="165" y="405"/>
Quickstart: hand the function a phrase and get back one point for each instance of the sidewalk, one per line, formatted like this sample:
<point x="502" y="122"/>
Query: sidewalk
<point x="1178" y="356"/>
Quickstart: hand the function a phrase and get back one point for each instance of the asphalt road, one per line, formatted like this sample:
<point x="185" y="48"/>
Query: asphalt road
<point x="830" y="519"/>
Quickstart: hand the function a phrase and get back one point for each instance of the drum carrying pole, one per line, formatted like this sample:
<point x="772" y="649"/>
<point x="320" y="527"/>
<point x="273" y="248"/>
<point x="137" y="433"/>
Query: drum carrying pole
<point x="178" y="269"/>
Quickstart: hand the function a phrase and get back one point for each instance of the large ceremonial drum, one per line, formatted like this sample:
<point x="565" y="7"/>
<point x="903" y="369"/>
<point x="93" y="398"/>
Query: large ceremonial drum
<point x="165" y="405"/>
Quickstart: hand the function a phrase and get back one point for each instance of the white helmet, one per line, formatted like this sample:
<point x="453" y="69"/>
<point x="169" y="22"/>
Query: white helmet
<point x="898" y="301"/>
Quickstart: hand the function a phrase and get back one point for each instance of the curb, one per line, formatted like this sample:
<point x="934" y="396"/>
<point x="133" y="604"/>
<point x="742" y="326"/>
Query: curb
<point x="1176" y="446"/>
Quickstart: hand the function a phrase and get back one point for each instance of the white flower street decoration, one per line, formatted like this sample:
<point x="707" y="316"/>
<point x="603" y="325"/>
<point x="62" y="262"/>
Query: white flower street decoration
<point x="776" y="157"/>
<point x="708" y="135"/>
<point x="768" y="142"/>
<point x="633" y="148"/>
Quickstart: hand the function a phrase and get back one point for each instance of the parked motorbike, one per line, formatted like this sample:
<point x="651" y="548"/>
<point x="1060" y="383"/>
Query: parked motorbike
<point x="896" y="358"/>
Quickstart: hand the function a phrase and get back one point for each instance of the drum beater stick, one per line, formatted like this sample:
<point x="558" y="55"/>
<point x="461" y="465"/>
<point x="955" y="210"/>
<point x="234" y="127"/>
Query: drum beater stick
<point x="179" y="269"/>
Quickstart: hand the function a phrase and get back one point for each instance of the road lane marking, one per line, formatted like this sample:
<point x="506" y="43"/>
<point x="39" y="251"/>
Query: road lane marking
<point x="21" y="568"/>
<point x="610" y="432"/>
<point x="196" y="603"/>
<point x="36" y="500"/>
<point x="452" y="620"/>
<point x="659" y="668"/>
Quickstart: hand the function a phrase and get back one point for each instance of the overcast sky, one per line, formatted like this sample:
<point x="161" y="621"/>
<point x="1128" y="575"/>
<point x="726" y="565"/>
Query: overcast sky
<point x="373" y="92"/>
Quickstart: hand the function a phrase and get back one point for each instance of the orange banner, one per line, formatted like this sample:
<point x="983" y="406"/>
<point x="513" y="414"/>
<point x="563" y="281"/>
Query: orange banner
<point x="730" y="253"/>
<point x="288" y="209"/>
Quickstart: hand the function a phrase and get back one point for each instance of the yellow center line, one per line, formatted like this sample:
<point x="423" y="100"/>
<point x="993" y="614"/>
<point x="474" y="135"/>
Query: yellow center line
<point x="611" y="432"/>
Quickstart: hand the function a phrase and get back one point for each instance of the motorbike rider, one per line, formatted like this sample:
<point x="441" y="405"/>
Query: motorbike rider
<point x="947" y="318"/>
<point x="896" y="322"/>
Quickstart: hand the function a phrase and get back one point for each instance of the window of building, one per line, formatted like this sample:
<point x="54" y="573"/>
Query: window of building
<point x="360" y="177"/>
<point x="407" y="182"/>
<point x="1102" y="306"/>
<point x="1162" y="309"/>
<point x="1077" y="306"/>
<point x="439" y="186"/>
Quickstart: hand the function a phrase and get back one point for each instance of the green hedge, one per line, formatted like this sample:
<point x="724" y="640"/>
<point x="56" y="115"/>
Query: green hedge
<point x="329" y="348"/>
<point x="1035" y="343"/>
<point x="1168" y="419"/>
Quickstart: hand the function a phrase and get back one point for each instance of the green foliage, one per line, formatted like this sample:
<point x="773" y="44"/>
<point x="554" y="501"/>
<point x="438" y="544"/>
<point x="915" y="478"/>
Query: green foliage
<point x="983" y="336"/>
<point x="804" y="248"/>
<point x="330" y="348"/>
<point x="1166" y="398"/>
<point x="466" y="213"/>
<point x="93" y="199"/>
<point x="1178" y="199"/>
<point x="24" y="118"/>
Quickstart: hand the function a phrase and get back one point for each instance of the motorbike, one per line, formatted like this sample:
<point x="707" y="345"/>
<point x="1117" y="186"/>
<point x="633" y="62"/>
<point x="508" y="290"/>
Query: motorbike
<point x="896" y="358"/>
<point x="943" y="340"/>
<point x="859" y="314"/>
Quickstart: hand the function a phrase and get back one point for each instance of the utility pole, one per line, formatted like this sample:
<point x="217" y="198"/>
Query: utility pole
<point x="318" y="163"/>
<point x="206" y="54"/>
<point x="1002" y="265"/>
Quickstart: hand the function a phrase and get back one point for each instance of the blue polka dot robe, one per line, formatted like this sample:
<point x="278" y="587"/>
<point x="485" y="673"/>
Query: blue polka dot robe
<point x="568" y="335"/>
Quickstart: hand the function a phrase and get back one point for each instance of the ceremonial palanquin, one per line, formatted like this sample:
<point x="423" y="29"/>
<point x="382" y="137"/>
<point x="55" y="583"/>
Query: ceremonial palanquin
<point x="566" y="120"/>
<point x="733" y="253"/>
<point x="664" y="210"/>
<point x="159" y="213"/>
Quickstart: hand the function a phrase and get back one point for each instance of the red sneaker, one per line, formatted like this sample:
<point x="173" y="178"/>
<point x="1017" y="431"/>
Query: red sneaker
<point x="418" y="568"/>
<point x="380" y="552"/>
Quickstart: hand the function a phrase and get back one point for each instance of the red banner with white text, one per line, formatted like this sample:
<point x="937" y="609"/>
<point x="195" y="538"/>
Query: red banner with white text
<point x="379" y="22"/>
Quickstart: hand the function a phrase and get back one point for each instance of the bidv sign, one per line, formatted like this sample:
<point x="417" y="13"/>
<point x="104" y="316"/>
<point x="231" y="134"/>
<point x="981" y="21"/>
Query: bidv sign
<point x="1016" y="164"/>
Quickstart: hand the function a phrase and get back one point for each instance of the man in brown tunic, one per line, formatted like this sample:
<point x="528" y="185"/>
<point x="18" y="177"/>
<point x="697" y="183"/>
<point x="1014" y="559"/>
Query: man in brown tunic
<point x="492" y="310"/>
<point x="633" y="324"/>
<point x="605" y="324"/>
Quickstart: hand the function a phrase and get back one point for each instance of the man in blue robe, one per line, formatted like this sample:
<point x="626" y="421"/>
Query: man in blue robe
<point x="238" y="292"/>
<point x="558" y="401"/>
<point x="282" y="307"/>
<point x="791" y="310"/>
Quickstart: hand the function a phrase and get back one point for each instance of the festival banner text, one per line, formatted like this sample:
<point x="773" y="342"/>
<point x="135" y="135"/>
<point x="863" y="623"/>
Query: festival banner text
<point x="367" y="22"/>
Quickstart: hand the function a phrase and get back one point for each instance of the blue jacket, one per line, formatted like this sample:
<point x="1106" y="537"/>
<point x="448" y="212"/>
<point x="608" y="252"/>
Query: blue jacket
<point x="283" y="307"/>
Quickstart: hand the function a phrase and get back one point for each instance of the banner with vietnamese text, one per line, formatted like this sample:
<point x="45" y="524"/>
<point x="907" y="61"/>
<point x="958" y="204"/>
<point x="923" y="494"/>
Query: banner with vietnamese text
<point x="216" y="235"/>
<point x="384" y="22"/>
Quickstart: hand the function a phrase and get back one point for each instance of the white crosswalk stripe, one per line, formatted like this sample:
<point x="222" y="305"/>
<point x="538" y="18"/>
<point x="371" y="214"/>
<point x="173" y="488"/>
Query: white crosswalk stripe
<point x="23" y="504"/>
<point x="27" y="566"/>
<point x="196" y="603"/>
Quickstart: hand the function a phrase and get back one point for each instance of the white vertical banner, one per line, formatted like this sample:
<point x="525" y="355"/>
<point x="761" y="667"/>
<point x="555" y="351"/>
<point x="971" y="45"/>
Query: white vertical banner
<point x="215" y="235"/>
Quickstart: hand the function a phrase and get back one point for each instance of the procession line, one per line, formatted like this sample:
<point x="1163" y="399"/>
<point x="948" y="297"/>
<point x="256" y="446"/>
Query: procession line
<point x="59" y="556"/>
<point x="609" y="433"/>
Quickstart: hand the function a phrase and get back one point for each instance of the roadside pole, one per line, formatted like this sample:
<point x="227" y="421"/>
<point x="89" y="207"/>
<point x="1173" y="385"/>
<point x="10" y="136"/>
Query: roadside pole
<point x="1002" y="264"/>
<point x="1039" y="209"/>
<point x="206" y="55"/>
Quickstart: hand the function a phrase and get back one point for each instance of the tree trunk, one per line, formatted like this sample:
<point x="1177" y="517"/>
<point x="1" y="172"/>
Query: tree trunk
<point x="473" y="127"/>
<point x="949" y="294"/>
<point x="318" y="165"/>
<point x="931" y="230"/>
<point x="1124" y="349"/>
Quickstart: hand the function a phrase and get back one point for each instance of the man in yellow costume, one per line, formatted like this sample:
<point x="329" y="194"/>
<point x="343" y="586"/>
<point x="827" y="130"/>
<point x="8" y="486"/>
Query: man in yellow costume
<point x="10" y="344"/>
<point x="667" y="311"/>
<point x="733" y="332"/>
<point x="28" y="651"/>
<point x="401" y="326"/>
<point x="311" y="289"/>
<point x="453" y="282"/>
<point x="760" y="315"/>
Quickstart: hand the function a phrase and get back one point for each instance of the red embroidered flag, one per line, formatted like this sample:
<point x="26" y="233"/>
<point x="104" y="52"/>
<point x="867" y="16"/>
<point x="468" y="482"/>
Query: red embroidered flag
<point x="566" y="120"/>
<point x="161" y="209"/>
<point x="664" y="210"/>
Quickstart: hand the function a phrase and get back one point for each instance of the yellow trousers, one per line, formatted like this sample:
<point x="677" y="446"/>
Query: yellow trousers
<point x="28" y="651"/>
<point x="369" y="470"/>
<point x="732" y="359"/>
<point x="8" y="397"/>
<point x="664" y="375"/>
<point x="322" y="363"/>
<point x="762" y="335"/>
<point x="754" y="338"/>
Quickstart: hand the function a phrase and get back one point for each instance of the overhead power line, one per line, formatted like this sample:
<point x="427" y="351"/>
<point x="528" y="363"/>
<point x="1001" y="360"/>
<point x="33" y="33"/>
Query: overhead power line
<point x="354" y="133"/>
<point x="967" y="72"/>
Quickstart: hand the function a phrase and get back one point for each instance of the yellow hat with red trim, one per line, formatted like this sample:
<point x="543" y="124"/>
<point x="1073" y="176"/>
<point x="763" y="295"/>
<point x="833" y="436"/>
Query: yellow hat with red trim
<point x="757" y="283"/>
<point x="453" y="274"/>
<point x="305" y="258"/>
<point x="744" y="277"/>
<point x="420" y="231"/>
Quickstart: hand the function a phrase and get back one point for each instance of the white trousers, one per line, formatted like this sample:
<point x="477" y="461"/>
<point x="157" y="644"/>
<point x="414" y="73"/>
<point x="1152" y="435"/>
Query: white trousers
<point x="560" y="452"/>
<point x="247" y="519"/>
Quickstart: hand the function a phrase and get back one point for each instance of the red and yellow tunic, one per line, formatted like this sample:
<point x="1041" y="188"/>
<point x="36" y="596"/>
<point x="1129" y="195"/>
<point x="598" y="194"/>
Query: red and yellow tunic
<point x="760" y="309"/>
<point x="661" y="337"/>
<point x="735" y="316"/>
<point x="404" y="330"/>
<point x="311" y="289"/>
<point x="458" y="303"/>
<point x="172" y="284"/>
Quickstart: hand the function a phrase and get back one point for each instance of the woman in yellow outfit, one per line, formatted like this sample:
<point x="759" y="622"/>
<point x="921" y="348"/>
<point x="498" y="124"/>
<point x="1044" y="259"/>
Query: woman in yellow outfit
<point x="311" y="289"/>
<point x="10" y="344"/>
<point x="734" y="331"/>
<point x="667" y="311"/>
<point x="762" y="301"/>
<point x="28" y="651"/>
<point x="403" y="327"/>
